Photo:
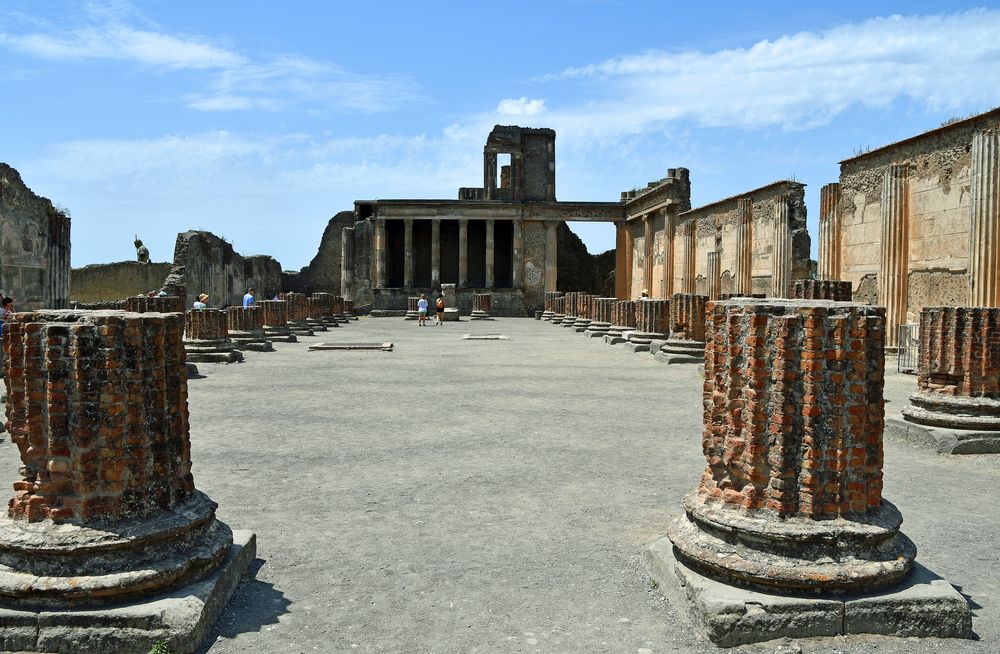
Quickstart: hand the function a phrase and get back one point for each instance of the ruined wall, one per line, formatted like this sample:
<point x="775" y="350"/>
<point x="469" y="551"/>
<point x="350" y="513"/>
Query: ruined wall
<point x="34" y="246"/>
<point x="322" y="275"/>
<point x="638" y="240"/>
<point x="533" y="233"/>
<point x="364" y="274"/>
<point x="105" y="282"/>
<point x="205" y="263"/>
<point x="575" y="265"/>
<point x="937" y="208"/>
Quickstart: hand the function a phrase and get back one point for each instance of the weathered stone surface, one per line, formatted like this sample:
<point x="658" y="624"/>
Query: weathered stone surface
<point x="112" y="281"/>
<point x="276" y="321"/>
<point x="161" y="304"/>
<point x="206" y="337"/>
<point x="549" y="304"/>
<point x="822" y="289"/>
<point x="481" y="304"/>
<point x="246" y="328"/>
<point x="298" y="314"/>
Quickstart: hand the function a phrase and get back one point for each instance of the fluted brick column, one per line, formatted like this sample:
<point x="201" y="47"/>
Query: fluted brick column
<point x="651" y="318"/>
<point x="781" y="259"/>
<point x="298" y="314"/>
<point x="380" y="253"/>
<point x="601" y="316"/>
<point x="984" y="254"/>
<point x="412" y="308"/>
<point x="549" y="304"/>
<point x="206" y="337"/>
<point x="822" y="289"/>
<point x="481" y="306"/>
<point x="689" y="284"/>
<point x="584" y="306"/>
<point x="558" y="309"/>
<point x="97" y="406"/>
<point x="894" y="249"/>
<point x="743" y="270"/>
<point x="669" y="230"/>
<point x="791" y="498"/>
<point x="650" y="250"/>
<point x="687" y="330"/>
<point x="829" y="232"/>
<point x="328" y="309"/>
<point x="551" y="255"/>
<point x="714" y="276"/>
<point x="164" y="304"/>
<point x="246" y="328"/>
<point x="571" y="313"/>
<point x="276" y="321"/>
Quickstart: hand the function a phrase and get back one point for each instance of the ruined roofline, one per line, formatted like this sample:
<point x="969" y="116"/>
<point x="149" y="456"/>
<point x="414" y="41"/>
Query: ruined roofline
<point x="547" y="131"/>
<point x="733" y="198"/>
<point x="487" y="203"/>
<point x="991" y="113"/>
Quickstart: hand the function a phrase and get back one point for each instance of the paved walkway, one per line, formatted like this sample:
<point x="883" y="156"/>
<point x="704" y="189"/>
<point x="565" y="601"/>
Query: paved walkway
<point x="493" y="496"/>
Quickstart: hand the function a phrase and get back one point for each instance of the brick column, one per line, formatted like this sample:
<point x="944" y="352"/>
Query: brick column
<point x="984" y="254"/>
<point x="463" y="253"/>
<point x="651" y="320"/>
<point x="481" y="306"/>
<point x="558" y="309"/>
<point x="550" y="304"/>
<point x="822" y="289"/>
<point x="165" y="304"/>
<point x="647" y="271"/>
<point x="690" y="247"/>
<point x="829" y="232"/>
<point x="328" y="308"/>
<point x="551" y="260"/>
<point x="246" y="328"/>
<point x="669" y="216"/>
<point x="517" y="255"/>
<point x="412" y="308"/>
<point x="781" y="257"/>
<point x="315" y="312"/>
<point x="490" y="251"/>
<point x="621" y="277"/>
<point x="276" y="321"/>
<point x="600" y="321"/>
<point x="347" y="263"/>
<point x="714" y="276"/>
<point x="957" y="403"/>
<point x="435" y="252"/>
<point x="380" y="246"/>
<point x="894" y="249"/>
<point x="686" y="343"/>
<point x="206" y="337"/>
<point x="629" y="264"/>
<point x="584" y="306"/>
<point x="298" y="313"/>
<point x="408" y="252"/>
<point x="743" y="273"/>
<point x="97" y="406"/>
<point x="791" y="498"/>
<point x="569" y="319"/>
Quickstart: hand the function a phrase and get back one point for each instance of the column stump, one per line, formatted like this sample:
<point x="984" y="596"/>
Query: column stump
<point x="298" y="314"/>
<point x="957" y="404"/>
<point x="107" y="545"/>
<point x="787" y="534"/>
<point x="481" y="306"/>
<point x="276" y="321"/>
<point x="548" y="304"/>
<point x="686" y="343"/>
<point x="558" y="310"/>
<point x="206" y="337"/>
<point x="412" y="312"/>
<point x="246" y="329"/>
<point x="651" y="318"/>
<point x="571" y="311"/>
<point x="601" y="320"/>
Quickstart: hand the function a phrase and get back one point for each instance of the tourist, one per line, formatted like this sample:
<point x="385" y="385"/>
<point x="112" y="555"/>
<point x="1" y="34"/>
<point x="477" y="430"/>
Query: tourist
<point x="162" y="293"/>
<point x="645" y="294"/>
<point x="248" y="299"/>
<point x="422" y="310"/>
<point x="6" y="309"/>
<point x="200" y="302"/>
<point x="439" y="309"/>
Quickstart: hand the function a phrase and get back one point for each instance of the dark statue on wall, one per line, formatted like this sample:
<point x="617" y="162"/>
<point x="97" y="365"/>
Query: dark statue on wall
<point x="141" y="251"/>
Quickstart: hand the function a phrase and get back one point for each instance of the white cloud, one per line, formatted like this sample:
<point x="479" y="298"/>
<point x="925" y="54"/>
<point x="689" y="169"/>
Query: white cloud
<point x="943" y="62"/>
<point x="520" y="107"/>
<point x="124" y="43"/>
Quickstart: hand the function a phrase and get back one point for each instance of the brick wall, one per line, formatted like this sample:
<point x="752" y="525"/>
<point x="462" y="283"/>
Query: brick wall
<point x="822" y="289"/>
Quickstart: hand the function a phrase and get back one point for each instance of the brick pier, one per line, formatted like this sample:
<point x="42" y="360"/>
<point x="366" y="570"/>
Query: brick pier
<point x="822" y="289"/>
<point x="622" y="321"/>
<point x="246" y="328"/>
<point x="276" y="321"/>
<point x="651" y="320"/>
<point x="298" y="314"/>
<point x="549" y="305"/>
<point x="558" y="310"/>
<point x="957" y="403"/>
<point x="481" y="306"/>
<point x="584" y="307"/>
<point x="571" y="312"/>
<point x="601" y="317"/>
<point x="330" y="310"/>
<point x="791" y="498"/>
<point x="412" y="311"/>
<point x="206" y="337"/>
<point x="106" y="511"/>
<point x="162" y="304"/>
<point x="687" y="330"/>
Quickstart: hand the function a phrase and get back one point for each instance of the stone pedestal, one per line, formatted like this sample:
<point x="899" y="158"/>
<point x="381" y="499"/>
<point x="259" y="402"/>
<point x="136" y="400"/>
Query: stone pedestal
<point x="571" y="311"/>
<point x="412" y="313"/>
<point x="163" y="304"/>
<point x="558" y="310"/>
<point x="622" y="321"/>
<point x="106" y="526"/>
<point x="548" y="304"/>
<point x="246" y="329"/>
<point x="790" y="505"/>
<point x="957" y="403"/>
<point x="481" y="303"/>
<point x="651" y="319"/>
<point x="298" y="314"/>
<point x="276" y="321"/>
<point x="206" y="337"/>
<point x="822" y="289"/>
<point x="584" y="306"/>
<point x="687" y="330"/>
<point x="601" y="321"/>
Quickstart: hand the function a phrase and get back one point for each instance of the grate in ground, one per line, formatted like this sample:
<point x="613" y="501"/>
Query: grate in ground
<point x="485" y="337"/>
<point x="385" y="347"/>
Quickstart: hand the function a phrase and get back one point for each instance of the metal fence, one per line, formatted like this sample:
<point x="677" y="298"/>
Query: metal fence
<point x="908" y="341"/>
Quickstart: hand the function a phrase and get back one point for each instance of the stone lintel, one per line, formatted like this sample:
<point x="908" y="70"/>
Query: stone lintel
<point x="922" y="605"/>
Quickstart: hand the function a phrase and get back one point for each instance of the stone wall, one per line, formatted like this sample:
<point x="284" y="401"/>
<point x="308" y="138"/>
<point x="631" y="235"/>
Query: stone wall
<point x="936" y="206"/>
<point x="34" y="246"/>
<point x="323" y="272"/>
<point x="106" y="282"/>
<point x="205" y="263"/>
<point x="576" y="270"/>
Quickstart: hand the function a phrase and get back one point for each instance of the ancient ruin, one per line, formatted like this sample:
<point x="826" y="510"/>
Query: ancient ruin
<point x="155" y="304"/>
<point x="957" y="403"/>
<point x="822" y="289"/>
<point x="791" y="500"/>
<point x="687" y="330"/>
<point x="652" y="319"/>
<point x="622" y="321"/>
<point x="276" y="321"/>
<point x="548" y="309"/>
<point x="915" y="223"/>
<point x="482" y="306"/>
<point x="106" y="512"/>
<point x="246" y="329"/>
<point x="36" y="245"/>
<point x="585" y="303"/>
<point x="206" y="337"/>
<point x="297" y="320"/>
<point x="601" y="312"/>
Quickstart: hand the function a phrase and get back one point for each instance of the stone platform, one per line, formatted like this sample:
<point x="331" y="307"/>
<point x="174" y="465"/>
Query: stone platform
<point x="212" y="351"/>
<point x="947" y="440"/>
<point x="181" y="617"/>
<point x="681" y="351"/>
<point x="922" y="605"/>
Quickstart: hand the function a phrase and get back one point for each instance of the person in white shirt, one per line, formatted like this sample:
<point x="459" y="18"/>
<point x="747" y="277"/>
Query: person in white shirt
<point x="200" y="302"/>
<point x="422" y="310"/>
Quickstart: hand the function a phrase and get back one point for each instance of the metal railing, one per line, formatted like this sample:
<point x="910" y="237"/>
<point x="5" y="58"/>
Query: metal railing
<point x="908" y="341"/>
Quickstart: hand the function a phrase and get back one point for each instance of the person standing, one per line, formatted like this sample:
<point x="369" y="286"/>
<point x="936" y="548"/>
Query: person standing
<point x="248" y="299"/>
<point x="439" y="309"/>
<point x="422" y="310"/>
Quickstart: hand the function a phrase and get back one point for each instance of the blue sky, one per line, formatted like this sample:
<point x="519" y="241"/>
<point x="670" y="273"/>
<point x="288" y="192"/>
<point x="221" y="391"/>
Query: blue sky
<point x="258" y="121"/>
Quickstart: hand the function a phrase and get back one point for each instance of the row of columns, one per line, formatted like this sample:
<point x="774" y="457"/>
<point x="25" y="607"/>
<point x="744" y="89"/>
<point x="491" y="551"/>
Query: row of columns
<point x="551" y="245"/>
<point x="829" y="232"/>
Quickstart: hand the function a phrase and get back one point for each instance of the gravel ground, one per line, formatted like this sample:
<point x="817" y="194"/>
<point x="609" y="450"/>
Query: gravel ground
<point x="494" y="496"/>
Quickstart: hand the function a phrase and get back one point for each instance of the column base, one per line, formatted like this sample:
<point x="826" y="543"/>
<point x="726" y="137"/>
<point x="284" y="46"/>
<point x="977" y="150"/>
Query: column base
<point x="569" y="321"/>
<point x="218" y="351"/>
<point x="279" y="334"/>
<point x="300" y="328"/>
<point x="921" y="605"/>
<point x="316" y="324"/>
<point x="557" y="318"/>
<point x="946" y="440"/>
<point x="480" y="315"/>
<point x="681" y="351"/>
<point x="182" y="618"/>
